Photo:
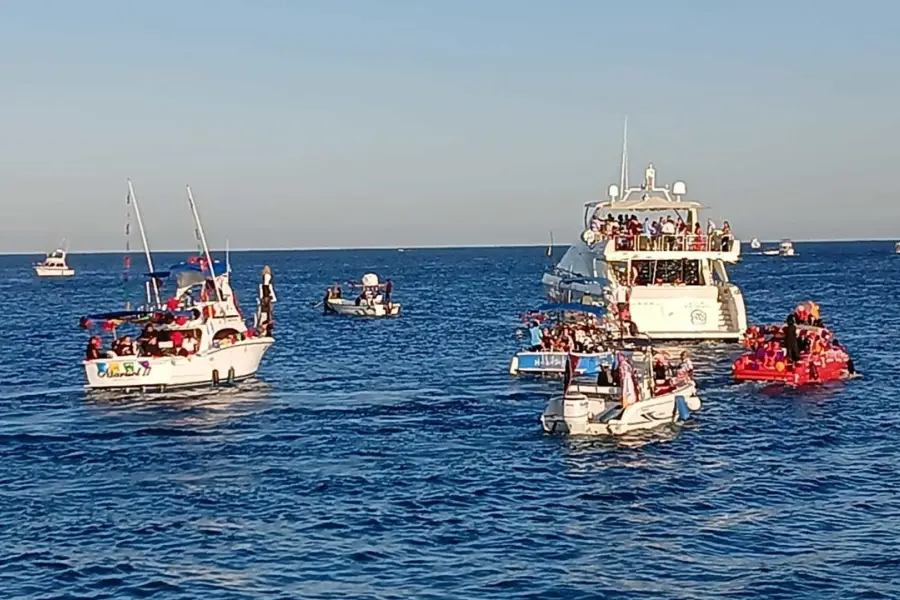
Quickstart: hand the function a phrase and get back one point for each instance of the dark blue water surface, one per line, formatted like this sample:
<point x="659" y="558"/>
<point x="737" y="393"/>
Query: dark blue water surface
<point x="397" y="459"/>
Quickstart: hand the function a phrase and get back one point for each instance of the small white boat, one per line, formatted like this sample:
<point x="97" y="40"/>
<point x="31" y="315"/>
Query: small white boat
<point x="755" y="244"/>
<point x="629" y="399"/>
<point x="55" y="264"/>
<point x="374" y="299"/>
<point x="785" y="248"/>
<point x="196" y="338"/>
<point x="897" y="248"/>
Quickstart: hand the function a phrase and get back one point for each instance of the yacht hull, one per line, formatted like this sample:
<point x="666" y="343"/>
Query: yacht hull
<point x="718" y="314"/>
<point x="53" y="272"/>
<point x="229" y="363"/>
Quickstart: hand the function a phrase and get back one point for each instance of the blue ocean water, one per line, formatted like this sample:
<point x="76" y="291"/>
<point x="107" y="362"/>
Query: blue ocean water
<point x="397" y="459"/>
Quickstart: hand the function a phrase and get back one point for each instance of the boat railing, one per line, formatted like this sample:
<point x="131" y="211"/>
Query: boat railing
<point x="716" y="242"/>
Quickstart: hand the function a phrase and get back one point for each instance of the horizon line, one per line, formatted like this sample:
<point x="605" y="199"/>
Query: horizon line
<point x="424" y="247"/>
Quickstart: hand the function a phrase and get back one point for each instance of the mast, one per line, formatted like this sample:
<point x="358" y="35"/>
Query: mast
<point x="623" y="175"/>
<point x="212" y="270"/>
<point x="227" y="257"/>
<point x="140" y="222"/>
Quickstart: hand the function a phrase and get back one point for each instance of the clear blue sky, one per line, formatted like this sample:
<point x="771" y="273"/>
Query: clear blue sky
<point x="417" y="122"/>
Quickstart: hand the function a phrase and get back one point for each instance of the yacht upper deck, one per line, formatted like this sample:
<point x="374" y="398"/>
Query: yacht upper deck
<point x="678" y="234"/>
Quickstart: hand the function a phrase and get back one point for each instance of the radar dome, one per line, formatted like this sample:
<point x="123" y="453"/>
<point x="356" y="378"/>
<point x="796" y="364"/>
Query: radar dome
<point x="613" y="191"/>
<point x="679" y="188"/>
<point x="370" y="279"/>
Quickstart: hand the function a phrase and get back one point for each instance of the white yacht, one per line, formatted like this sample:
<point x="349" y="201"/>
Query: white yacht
<point x="55" y="264"/>
<point x="675" y="286"/>
<point x="755" y="244"/>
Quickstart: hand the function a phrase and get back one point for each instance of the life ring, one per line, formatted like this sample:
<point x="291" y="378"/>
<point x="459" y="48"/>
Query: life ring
<point x="588" y="237"/>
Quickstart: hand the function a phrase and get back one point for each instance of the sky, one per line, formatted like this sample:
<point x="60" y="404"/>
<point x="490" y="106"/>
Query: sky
<point x="399" y="123"/>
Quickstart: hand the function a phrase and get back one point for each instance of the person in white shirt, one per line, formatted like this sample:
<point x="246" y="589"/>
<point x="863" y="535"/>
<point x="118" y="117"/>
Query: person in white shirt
<point x="620" y="297"/>
<point x="668" y="232"/>
<point x="687" y="367"/>
<point x="189" y="344"/>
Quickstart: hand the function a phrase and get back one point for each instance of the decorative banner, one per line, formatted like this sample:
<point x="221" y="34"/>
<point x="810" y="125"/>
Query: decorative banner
<point x="115" y="370"/>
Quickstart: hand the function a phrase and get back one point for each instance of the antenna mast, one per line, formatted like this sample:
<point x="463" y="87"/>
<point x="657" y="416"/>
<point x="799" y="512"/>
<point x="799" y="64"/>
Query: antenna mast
<point x="212" y="270"/>
<point x="623" y="176"/>
<point x="140" y="222"/>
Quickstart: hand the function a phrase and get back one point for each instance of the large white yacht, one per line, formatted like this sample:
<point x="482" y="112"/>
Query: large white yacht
<point x="676" y="284"/>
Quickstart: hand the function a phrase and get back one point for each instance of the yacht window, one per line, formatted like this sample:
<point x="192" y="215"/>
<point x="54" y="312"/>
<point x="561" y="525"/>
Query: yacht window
<point x="225" y="333"/>
<point x="668" y="272"/>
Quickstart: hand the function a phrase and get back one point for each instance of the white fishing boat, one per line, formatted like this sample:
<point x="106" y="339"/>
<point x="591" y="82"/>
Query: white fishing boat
<point x="755" y="244"/>
<point x="624" y="399"/>
<point x="55" y="265"/>
<point x="197" y="337"/>
<point x="673" y="285"/>
<point x="374" y="299"/>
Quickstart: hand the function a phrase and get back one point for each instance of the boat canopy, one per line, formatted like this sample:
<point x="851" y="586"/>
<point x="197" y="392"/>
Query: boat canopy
<point x="651" y="203"/>
<point x="134" y="316"/>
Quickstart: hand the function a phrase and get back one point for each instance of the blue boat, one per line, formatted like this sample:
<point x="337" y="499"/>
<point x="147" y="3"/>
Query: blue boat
<point x="535" y="362"/>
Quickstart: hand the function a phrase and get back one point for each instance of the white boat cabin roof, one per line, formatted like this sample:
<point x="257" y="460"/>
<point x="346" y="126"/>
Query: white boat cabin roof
<point x="648" y="204"/>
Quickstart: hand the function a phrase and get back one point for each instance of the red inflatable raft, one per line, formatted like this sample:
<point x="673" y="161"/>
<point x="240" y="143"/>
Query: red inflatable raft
<point x="825" y="360"/>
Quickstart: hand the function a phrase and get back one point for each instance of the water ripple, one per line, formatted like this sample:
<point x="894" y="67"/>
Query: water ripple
<point x="396" y="459"/>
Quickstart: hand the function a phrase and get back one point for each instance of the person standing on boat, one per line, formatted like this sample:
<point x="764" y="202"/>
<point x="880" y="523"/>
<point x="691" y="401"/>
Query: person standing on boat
<point x="686" y="369"/>
<point x="791" y="345"/>
<point x="388" y="288"/>
<point x="620" y="297"/>
<point x="264" y="301"/>
<point x="536" y="337"/>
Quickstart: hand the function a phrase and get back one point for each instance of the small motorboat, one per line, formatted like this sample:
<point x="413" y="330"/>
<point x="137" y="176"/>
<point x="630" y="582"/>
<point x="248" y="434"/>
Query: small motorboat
<point x="897" y="248"/>
<point x="755" y="244"/>
<point x="373" y="300"/>
<point x="54" y="265"/>
<point x="625" y="398"/>
<point x="785" y="248"/>
<point x="820" y="357"/>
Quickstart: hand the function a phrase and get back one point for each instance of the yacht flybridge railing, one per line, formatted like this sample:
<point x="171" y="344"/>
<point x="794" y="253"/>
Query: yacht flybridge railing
<point x="666" y="243"/>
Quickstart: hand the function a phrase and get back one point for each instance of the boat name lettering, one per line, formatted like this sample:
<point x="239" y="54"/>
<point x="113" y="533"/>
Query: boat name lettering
<point x="550" y="361"/>
<point x="140" y="368"/>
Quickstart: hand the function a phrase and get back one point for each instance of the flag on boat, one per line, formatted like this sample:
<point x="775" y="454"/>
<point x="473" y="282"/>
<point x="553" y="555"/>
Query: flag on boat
<point x="627" y="380"/>
<point x="569" y="373"/>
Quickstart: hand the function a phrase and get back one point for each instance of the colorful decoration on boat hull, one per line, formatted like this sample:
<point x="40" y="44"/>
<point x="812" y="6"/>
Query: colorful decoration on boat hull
<point x="114" y="370"/>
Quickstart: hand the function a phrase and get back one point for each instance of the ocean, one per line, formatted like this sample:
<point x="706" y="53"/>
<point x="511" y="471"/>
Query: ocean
<point x="397" y="459"/>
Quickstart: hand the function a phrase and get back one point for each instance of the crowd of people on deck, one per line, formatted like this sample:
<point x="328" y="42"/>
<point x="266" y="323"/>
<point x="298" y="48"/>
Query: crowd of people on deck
<point x="667" y="376"/>
<point x="581" y="335"/>
<point x="803" y="336"/>
<point x="151" y="342"/>
<point x="669" y="233"/>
